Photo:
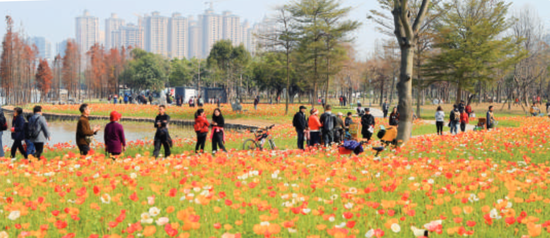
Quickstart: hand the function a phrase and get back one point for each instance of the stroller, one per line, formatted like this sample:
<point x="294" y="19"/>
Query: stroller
<point x="480" y="124"/>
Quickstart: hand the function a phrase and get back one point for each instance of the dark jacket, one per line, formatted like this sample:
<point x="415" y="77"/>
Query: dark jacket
<point x="162" y="130"/>
<point x="299" y="121"/>
<point x="394" y="119"/>
<point x="83" y="129"/>
<point x="114" y="137"/>
<point x="461" y="107"/>
<point x="18" y="124"/>
<point x="324" y="118"/>
<point x="218" y="120"/>
<point x="367" y="120"/>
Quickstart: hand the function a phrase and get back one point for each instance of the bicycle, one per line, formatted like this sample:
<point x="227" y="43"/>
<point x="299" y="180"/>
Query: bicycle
<point x="261" y="136"/>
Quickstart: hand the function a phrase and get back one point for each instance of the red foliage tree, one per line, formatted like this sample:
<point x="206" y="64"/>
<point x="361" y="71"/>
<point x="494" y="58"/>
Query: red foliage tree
<point x="44" y="78"/>
<point x="71" y="64"/>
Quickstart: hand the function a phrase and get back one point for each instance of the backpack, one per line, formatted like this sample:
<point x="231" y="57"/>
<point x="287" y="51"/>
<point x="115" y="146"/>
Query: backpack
<point x="3" y="122"/>
<point x="31" y="130"/>
<point x="457" y="115"/>
<point x="328" y="124"/>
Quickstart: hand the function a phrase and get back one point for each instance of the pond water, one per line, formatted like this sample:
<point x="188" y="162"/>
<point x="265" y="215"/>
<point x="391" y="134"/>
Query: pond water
<point x="65" y="131"/>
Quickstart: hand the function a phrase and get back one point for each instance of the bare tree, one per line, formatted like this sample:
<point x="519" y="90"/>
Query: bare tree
<point x="528" y="31"/>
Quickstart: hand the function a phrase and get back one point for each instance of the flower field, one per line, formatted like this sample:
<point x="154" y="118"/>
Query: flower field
<point x="480" y="184"/>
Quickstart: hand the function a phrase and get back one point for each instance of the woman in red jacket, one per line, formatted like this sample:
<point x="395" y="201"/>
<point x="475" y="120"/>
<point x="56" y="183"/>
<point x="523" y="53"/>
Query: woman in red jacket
<point x="201" y="128"/>
<point x="464" y="120"/>
<point x="314" y="126"/>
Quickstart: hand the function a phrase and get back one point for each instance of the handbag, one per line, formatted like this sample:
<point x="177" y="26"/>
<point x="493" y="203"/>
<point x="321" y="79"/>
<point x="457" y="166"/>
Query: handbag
<point x="89" y="139"/>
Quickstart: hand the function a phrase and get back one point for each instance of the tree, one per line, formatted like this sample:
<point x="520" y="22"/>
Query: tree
<point x="528" y="32"/>
<point x="407" y="25"/>
<point x="226" y="60"/>
<point x="470" y="47"/>
<point x="181" y="72"/>
<point x="71" y="65"/>
<point x="283" y="39"/>
<point x="146" y="71"/>
<point x="44" y="78"/>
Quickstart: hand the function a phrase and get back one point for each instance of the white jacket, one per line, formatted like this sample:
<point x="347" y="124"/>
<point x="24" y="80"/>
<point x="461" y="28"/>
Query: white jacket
<point x="440" y="116"/>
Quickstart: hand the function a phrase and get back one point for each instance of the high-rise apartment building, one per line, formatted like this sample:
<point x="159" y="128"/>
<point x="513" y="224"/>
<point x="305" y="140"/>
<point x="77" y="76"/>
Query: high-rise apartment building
<point x="211" y="25"/>
<point x="112" y="24"/>
<point x="178" y="36"/>
<point x="44" y="47"/>
<point x="195" y="36"/>
<point x="60" y="48"/>
<point x="232" y="28"/>
<point x="246" y="35"/>
<point x="87" y="31"/>
<point x="156" y="33"/>
<point x="128" y="36"/>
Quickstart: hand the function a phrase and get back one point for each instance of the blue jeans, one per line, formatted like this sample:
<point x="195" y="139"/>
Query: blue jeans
<point x="454" y="127"/>
<point x="30" y="147"/>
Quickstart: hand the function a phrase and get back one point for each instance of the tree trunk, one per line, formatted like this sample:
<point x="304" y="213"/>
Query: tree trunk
<point x="404" y="90"/>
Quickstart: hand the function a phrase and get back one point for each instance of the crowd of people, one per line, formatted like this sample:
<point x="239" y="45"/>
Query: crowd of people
<point x="30" y="135"/>
<point x="329" y="127"/>
<point x="115" y="142"/>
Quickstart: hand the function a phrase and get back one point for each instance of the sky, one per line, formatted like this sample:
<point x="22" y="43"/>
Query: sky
<point x="55" y="19"/>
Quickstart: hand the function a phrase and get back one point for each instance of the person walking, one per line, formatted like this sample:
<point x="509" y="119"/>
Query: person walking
<point x="29" y="133"/>
<point x="115" y="99"/>
<point x="218" y="102"/>
<point x="490" y="118"/>
<point x="368" y="123"/>
<point x="162" y="137"/>
<point x="41" y="133"/>
<point x="454" y="119"/>
<point x="18" y="132"/>
<point x="256" y="101"/>
<point x="339" y="129"/>
<point x="394" y="117"/>
<point x="439" y="120"/>
<point x="218" y="134"/>
<point x="547" y="106"/>
<point x="115" y="140"/>
<point x="84" y="131"/>
<point x="201" y="128"/>
<point x="314" y="126"/>
<point x="300" y="124"/>
<point x="150" y="99"/>
<point x="329" y="123"/>
<point x="385" y="108"/>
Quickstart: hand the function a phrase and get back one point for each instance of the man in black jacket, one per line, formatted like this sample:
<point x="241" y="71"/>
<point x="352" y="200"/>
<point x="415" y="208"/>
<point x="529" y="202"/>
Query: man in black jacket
<point x="300" y="123"/>
<point x="162" y="137"/>
<point x="367" y="122"/>
<point x="328" y="121"/>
